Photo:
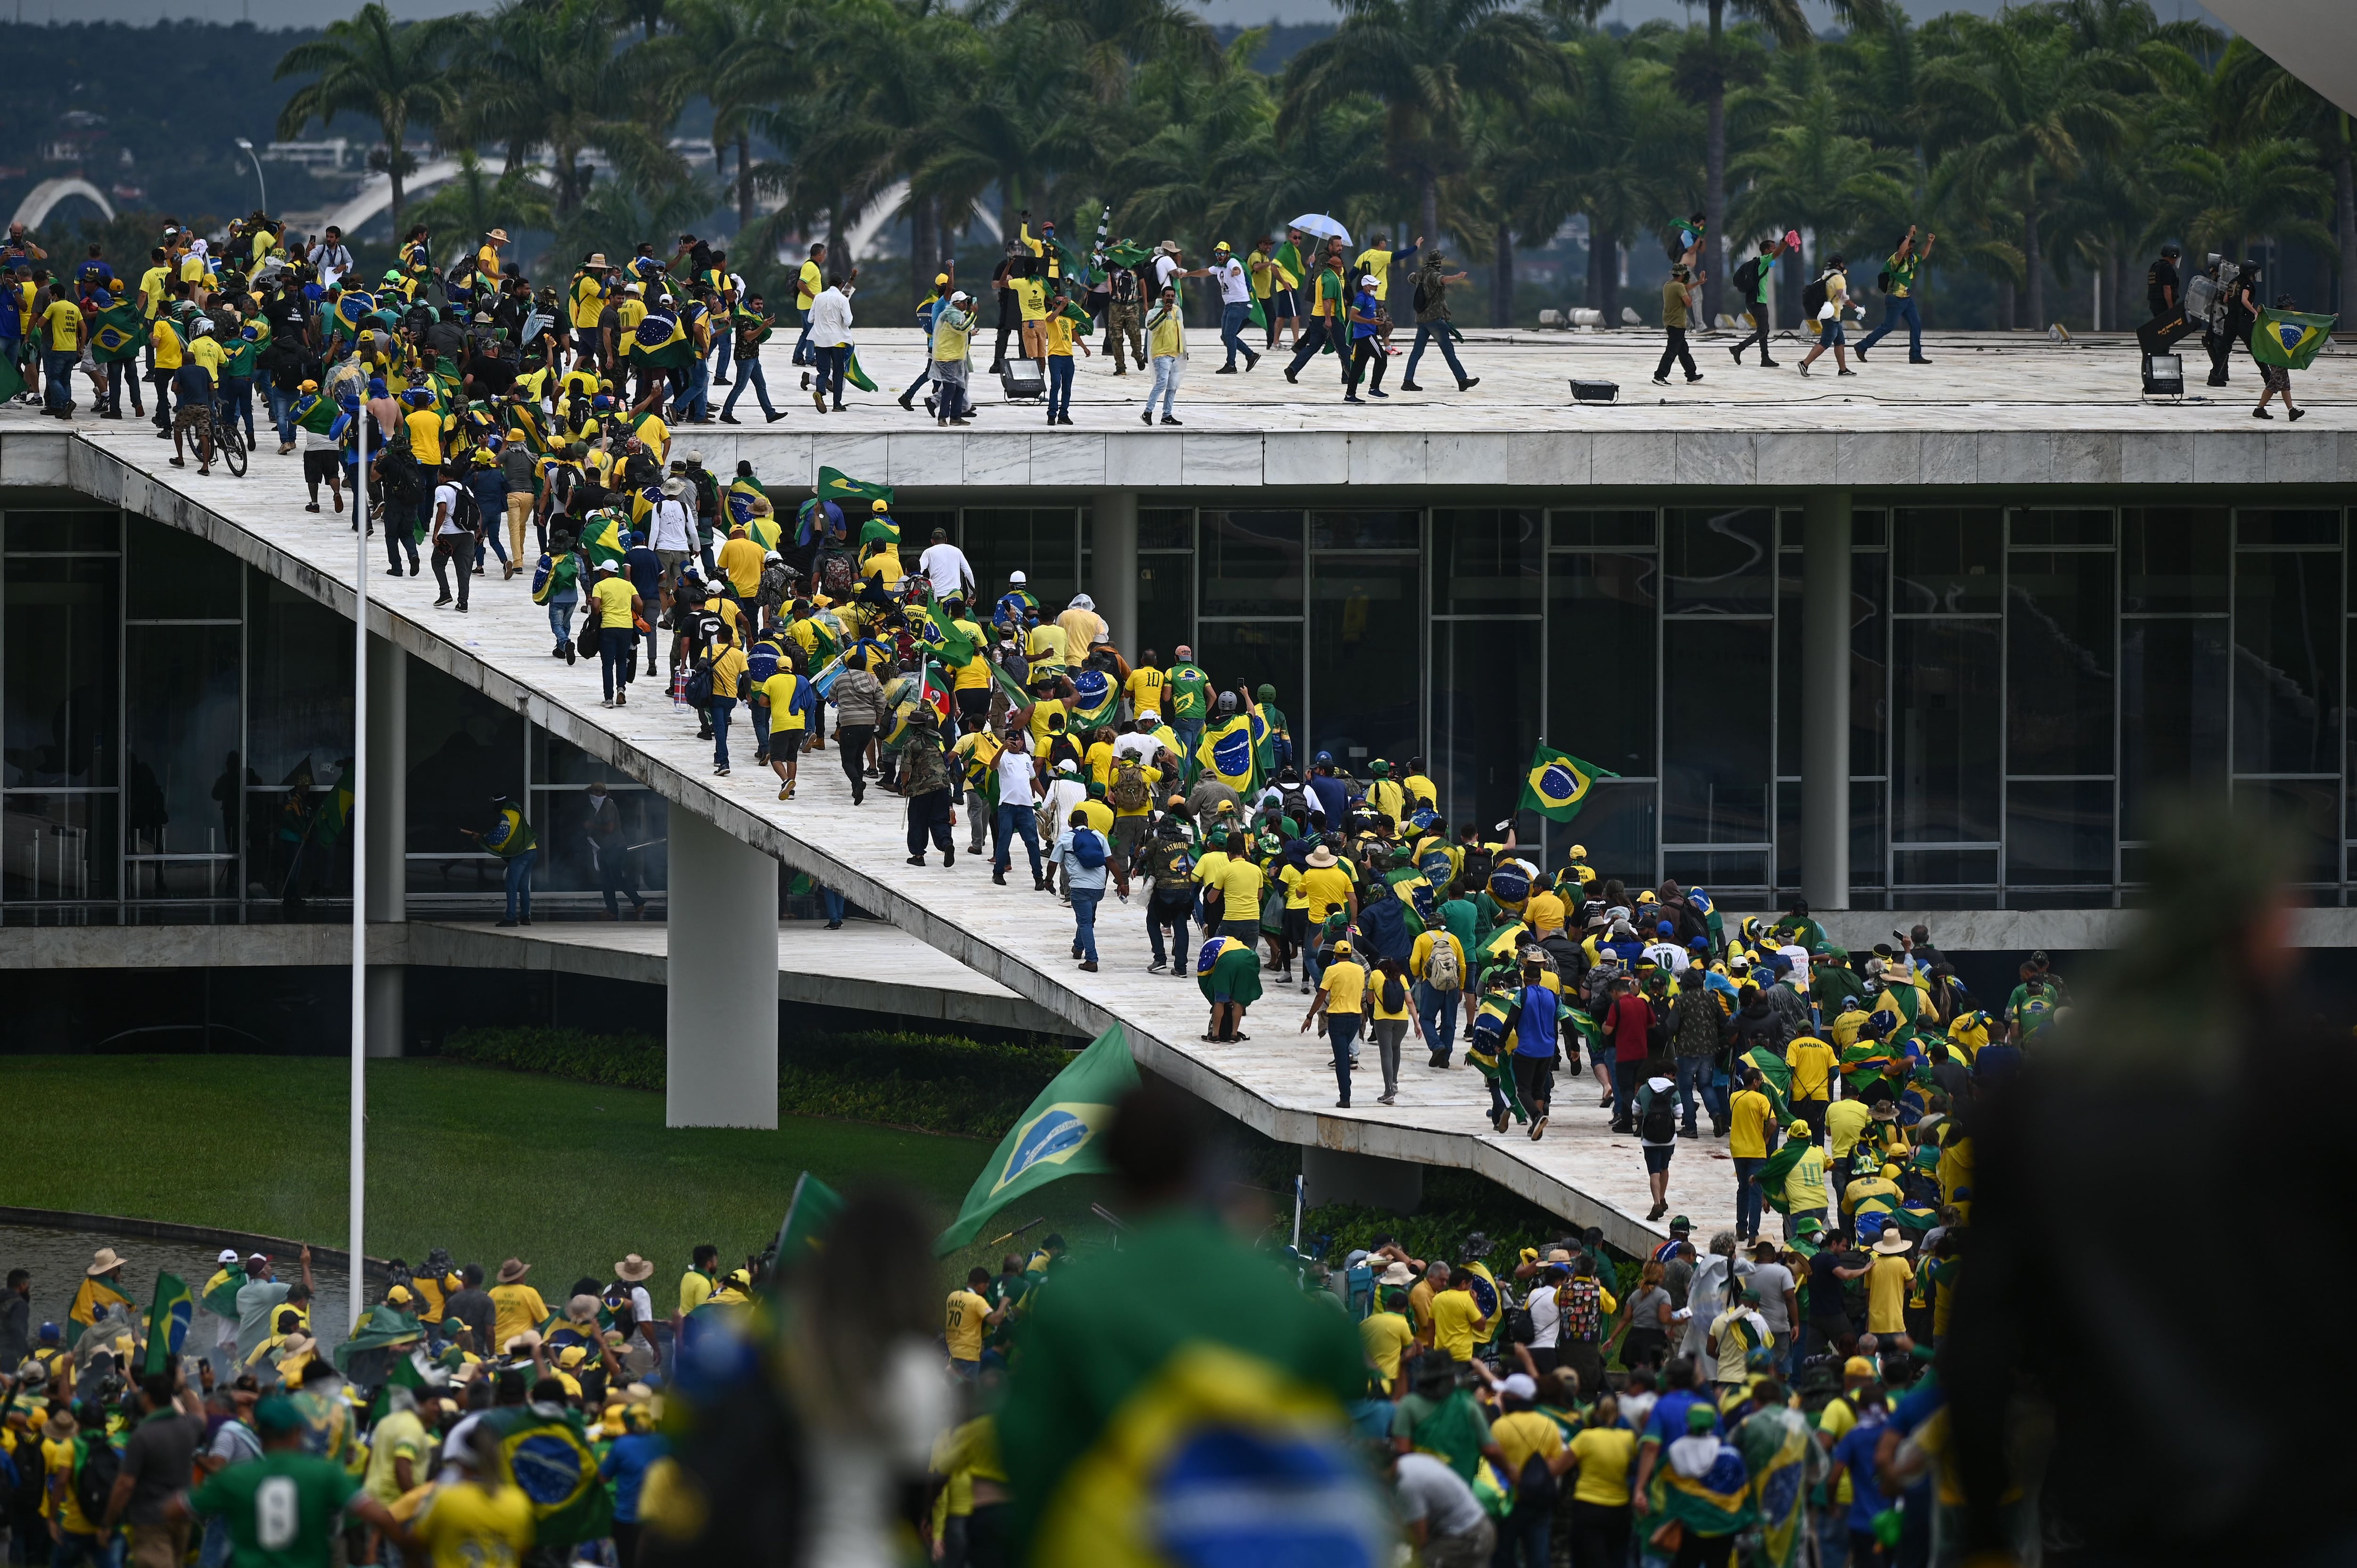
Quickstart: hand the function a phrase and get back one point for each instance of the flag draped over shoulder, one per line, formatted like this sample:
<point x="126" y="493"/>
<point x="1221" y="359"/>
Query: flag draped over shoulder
<point x="1780" y="1452"/>
<point x="168" y="1323"/>
<point x="1715" y="1502"/>
<point x="834" y="485"/>
<point x="1096" y="700"/>
<point x="220" y="1291"/>
<point x="809" y="1212"/>
<point x="117" y="334"/>
<point x="549" y="1458"/>
<point x="659" y="340"/>
<point x="743" y="491"/>
<point x="1225" y="752"/>
<point x="602" y="539"/>
<point x="1556" y="784"/>
<point x="1058" y="1136"/>
<point x="2288" y="339"/>
<point x="956" y="647"/>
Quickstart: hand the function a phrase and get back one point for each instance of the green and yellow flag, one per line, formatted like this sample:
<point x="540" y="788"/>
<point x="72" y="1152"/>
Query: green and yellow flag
<point x="1557" y="783"/>
<point x="834" y="485"/>
<point x="168" y="1323"/>
<point x="956" y="647"/>
<point x="856" y="376"/>
<point x="659" y="340"/>
<point x="1225" y="752"/>
<point x="550" y="1459"/>
<point x="1060" y="1135"/>
<point x="117" y="334"/>
<point x="2289" y="340"/>
<point x="809" y="1212"/>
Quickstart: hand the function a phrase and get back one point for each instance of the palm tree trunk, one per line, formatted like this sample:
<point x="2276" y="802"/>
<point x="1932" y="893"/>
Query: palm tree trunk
<point x="744" y="181"/>
<point x="1501" y="297"/>
<point x="1428" y="208"/>
<point x="1604" y="272"/>
<point x="2344" y="226"/>
<point x="1714" y="176"/>
<point x="392" y="175"/>
<point x="2034" y="263"/>
<point x="922" y="247"/>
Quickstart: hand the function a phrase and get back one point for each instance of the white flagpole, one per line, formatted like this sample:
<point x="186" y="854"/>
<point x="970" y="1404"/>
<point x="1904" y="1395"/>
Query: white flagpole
<point x="359" y="1177"/>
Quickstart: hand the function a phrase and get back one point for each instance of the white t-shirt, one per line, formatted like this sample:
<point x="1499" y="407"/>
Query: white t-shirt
<point x="1547" y="1314"/>
<point x="446" y="507"/>
<point x="1430" y="1490"/>
<point x="1164" y="266"/>
<point x="1066" y="793"/>
<point x="671" y="527"/>
<point x="1667" y="956"/>
<point x="946" y="565"/>
<point x="1141" y="746"/>
<point x="1235" y="283"/>
<point x="1015" y="778"/>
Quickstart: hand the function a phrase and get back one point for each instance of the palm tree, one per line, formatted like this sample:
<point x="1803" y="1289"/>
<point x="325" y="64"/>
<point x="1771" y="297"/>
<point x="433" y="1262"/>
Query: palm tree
<point x="475" y="201"/>
<point x="1807" y="174"/>
<point x="549" y="74"/>
<point x="739" y="54"/>
<point x="1708" y="65"/>
<point x="2023" y="101"/>
<point x="2267" y="188"/>
<point x="391" y="72"/>
<point x="1426" y="61"/>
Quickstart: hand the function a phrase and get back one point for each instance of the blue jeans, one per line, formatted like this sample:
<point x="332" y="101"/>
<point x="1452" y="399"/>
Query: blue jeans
<point x="282" y="413"/>
<point x="1342" y="1032"/>
<point x="1231" y="332"/>
<point x="57" y="371"/>
<point x="237" y="403"/>
<point x="832" y="901"/>
<point x="721" y="708"/>
<point x="1626" y="1077"/>
<point x="1436" y="1012"/>
<point x="1747" y="1196"/>
<point x="519" y="879"/>
<point x="803" y="353"/>
<point x="833" y="364"/>
<point x="1523" y="1537"/>
<point x="560" y="617"/>
<point x="1437" y="333"/>
<point x="1084" y="919"/>
<point x="1694" y="1084"/>
<point x="216" y="1548"/>
<point x="1165" y="382"/>
<point x="1019" y="821"/>
<point x="749" y="372"/>
<point x="1190" y="732"/>
<point x="1895" y="310"/>
<point x="1059" y="385"/>
<point x="695" y="403"/>
<point x="720" y="356"/>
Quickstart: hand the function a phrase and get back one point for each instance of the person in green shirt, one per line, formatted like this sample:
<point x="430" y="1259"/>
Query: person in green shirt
<point x="282" y="1509"/>
<point x="1904" y="263"/>
<point x="1763" y="274"/>
<point x="1189" y="700"/>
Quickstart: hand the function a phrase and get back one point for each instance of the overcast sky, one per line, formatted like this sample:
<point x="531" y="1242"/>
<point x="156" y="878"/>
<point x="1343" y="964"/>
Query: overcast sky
<point x="297" y="12"/>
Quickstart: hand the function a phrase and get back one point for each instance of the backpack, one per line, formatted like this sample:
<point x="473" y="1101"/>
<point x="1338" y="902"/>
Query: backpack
<point x="96" y="1464"/>
<point x="1392" y="991"/>
<point x="1477" y="865"/>
<point x="1129" y="794"/>
<point x="699" y="687"/>
<point x="1660" y="1125"/>
<point x="468" y="514"/>
<point x="1294" y="802"/>
<point x="1441" y="971"/>
<point x="563" y="481"/>
<point x="1882" y="281"/>
<point x="1088" y="849"/>
<point x="1812" y="298"/>
<point x="1537" y="1487"/>
<point x="1747" y="280"/>
<point x="1582" y="1319"/>
<point x="1419" y="299"/>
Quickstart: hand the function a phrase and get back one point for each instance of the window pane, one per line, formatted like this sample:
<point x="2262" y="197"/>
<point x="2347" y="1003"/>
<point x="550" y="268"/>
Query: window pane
<point x="61" y="626"/>
<point x="2059" y="663"/>
<point x="2058" y="832"/>
<point x="57" y="847"/>
<point x="2084" y="526"/>
<point x="1485" y="707"/>
<point x="1165" y="528"/>
<point x="77" y="530"/>
<point x="2308" y="811"/>
<point x="2173" y="559"/>
<point x="1251" y="563"/>
<point x="299" y="682"/>
<point x="1946" y="868"/>
<point x="2287" y="663"/>
<point x="1715" y="871"/>
<point x="1609" y="529"/>
<point x="1366" y="674"/>
<point x="1715" y="753"/>
<point x="1043" y="544"/>
<point x="2287" y="528"/>
<point x="1869" y="830"/>
<point x="1947" y="559"/>
<point x="2173" y="684"/>
<point x="285" y="861"/>
<point x="1486" y="563"/>
<point x="561" y="818"/>
<point x="1789" y="635"/>
<point x="175" y="575"/>
<point x="1365" y="531"/>
<point x="463" y="748"/>
<point x="1246" y="654"/>
<point x="1600" y="628"/>
<point x="1615" y="827"/>
<point x="1717" y="563"/>
<point x="1869" y="529"/>
<point x="1870" y="659"/>
<point x="184" y="784"/>
<point x="1166" y="603"/>
<point x="1945" y="739"/>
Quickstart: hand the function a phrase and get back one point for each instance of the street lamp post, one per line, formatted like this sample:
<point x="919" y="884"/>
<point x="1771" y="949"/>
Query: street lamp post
<point x="263" y="186"/>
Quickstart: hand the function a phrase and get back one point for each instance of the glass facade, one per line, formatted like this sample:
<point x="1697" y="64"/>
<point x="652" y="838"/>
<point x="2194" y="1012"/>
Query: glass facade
<point x="2028" y="684"/>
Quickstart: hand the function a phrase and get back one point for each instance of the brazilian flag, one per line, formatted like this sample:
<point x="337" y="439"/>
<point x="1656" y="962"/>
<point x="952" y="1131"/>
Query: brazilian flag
<point x="1556" y="784"/>
<point x="119" y="332"/>
<point x="743" y="491"/>
<point x="550" y="1459"/>
<point x="809" y="1212"/>
<point x="1776" y="1445"/>
<point x="659" y="340"/>
<point x="316" y="414"/>
<point x="856" y="376"/>
<point x="1096" y="700"/>
<point x="764" y="531"/>
<point x="835" y="486"/>
<point x="1058" y="1136"/>
<point x="168" y="1323"/>
<point x="956" y="647"/>
<point x="352" y="308"/>
<point x="1127" y="254"/>
<point x="602" y="539"/>
<point x="523" y="420"/>
<point x="2288" y="339"/>
<point x="1225" y="752"/>
<point x="220" y="1291"/>
<point x="1716" y="1502"/>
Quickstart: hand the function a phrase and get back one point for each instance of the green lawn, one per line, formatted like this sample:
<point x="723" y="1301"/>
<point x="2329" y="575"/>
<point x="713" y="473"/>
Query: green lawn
<point x="490" y="1164"/>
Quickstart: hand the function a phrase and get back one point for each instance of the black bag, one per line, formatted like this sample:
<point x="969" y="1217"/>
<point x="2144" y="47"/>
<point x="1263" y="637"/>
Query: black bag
<point x="1419" y="299"/>
<point x="1536" y="1487"/>
<point x="1747" y="281"/>
<point x="96" y="1465"/>
<point x="699" y="687"/>
<point x="1882" y="282"/>
<point x="1812" y="298"/>
<point x="1660" y="1125"/>
<point x="469" y="511"/>
<point x="586" y="643"/>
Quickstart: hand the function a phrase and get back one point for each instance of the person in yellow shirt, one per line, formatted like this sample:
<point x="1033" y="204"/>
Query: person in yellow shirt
<point x="1886" y="1279"/>
<point x="487" y="259"/>
<point x="1457" y="1318"/>
<point x="517" y="1306"/>
<point x="968" y="1314"/>
<point x="427" y="427"/>
<point x="1602" y="1452"/>
<point x="1751" y="1127"/>
<point x="1144" y="686"/>
<point x="618" y="609"/>
<point x="57" y="1438"/>
<point x="1845" y="1122"/>
<point x="1436" y="1003"/>
<point x="1240" y="889"/>
<point x="60" y="327"/>
<point x="478" y="1521"/>
<point x="1045" y="651"/>
<point x="1342" y="997"/>
<point x="1812" y="1061"/>
<point x="781" y="693"/>
<point x="1060" y="343"/>
<point x="809" y="282"/>
<point x="155" y="284"/>
<point x="1524" y="1434"/>
<point x="1387" y="1336"/>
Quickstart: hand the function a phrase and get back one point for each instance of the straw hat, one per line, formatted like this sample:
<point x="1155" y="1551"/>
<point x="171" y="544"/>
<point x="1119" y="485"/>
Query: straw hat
<point x="633" y="1269"/>
<point x="1892" y="1242"/>
<point x="1397" y="1274"/>
<point x="497" y="236"/>
<point x="105" y="1260"/>
<point x="514" y="1269"/>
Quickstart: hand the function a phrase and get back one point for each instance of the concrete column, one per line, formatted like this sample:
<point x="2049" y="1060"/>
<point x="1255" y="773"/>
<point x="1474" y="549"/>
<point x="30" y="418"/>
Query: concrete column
<point x="387" y="807"/>
<point x="1113" y="581"/>
<point x="1824" y="699"/>
<point x="1333" y="1176"/>
<point x="720" y="1003"/>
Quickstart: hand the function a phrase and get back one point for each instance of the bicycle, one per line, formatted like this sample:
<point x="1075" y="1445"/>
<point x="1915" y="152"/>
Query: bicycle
<point x="231" y="441"/>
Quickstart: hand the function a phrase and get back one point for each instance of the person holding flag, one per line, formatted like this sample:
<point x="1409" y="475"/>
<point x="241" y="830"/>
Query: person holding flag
<point x="1556" y="784"/>
<point x="2281" y="342"/>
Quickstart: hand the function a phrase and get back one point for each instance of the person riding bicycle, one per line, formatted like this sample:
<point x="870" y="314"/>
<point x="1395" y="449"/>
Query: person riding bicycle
<point x="197" y="386"/>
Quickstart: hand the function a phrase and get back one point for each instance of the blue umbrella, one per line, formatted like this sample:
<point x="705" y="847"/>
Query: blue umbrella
<point x="1324" y="228"/>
